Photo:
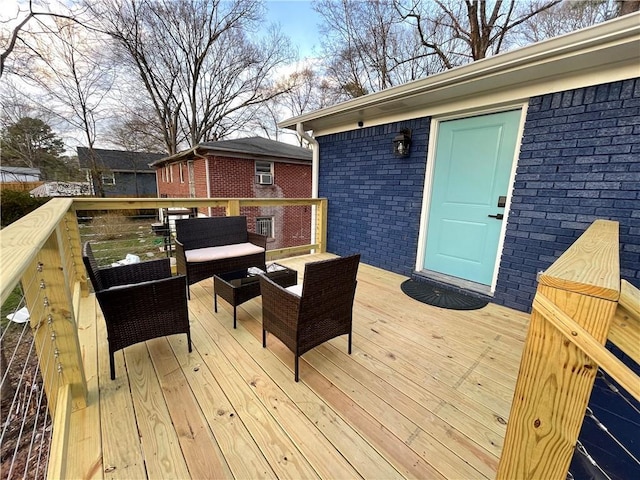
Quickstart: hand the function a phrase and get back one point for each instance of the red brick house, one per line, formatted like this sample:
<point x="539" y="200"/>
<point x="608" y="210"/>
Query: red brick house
<point x="245" y="168"/>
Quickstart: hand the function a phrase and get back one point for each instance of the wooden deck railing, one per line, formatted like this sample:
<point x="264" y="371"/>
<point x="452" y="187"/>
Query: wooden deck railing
<point x="579" y="303"/>
<point x="42" y="251"/>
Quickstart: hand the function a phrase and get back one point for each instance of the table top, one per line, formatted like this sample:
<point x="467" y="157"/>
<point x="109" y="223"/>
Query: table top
<point x="248" y="276"/>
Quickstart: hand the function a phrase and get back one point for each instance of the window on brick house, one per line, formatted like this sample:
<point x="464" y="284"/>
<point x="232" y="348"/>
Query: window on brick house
<point x="264" y="173"/>
<point x="181" y="170"/>
<point x="171" y="173"/>
<point x="264" y="226"/>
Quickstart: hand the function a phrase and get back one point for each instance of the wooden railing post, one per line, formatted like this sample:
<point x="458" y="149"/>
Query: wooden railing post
<point x="233" y="208"/>
<point x="52" y="318"/>
<point x="77" y="272"/>
<point x="321" y="225"/>
<point x="556" y="377"/>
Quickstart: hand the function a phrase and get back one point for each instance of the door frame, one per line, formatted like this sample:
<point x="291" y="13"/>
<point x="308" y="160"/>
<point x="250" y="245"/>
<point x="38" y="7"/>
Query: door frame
<point x="434" y="131"/>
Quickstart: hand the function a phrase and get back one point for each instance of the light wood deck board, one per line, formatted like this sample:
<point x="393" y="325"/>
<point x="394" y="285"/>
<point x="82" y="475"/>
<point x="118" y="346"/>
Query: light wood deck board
<point x="424" y="394"/>
<point x="86" y="454"/>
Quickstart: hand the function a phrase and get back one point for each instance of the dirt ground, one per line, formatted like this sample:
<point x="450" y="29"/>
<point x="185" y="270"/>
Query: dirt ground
<point x="25" y="421"/>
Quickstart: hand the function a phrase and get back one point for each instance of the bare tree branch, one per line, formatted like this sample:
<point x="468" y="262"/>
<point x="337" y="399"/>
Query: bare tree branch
<point x="19" y="28"/>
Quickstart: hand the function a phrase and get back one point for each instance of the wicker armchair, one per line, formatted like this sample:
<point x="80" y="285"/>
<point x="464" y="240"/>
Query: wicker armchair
<point x="139" y="301"/>
<point x="321" y="312"/>
<point x="213" y="235"/>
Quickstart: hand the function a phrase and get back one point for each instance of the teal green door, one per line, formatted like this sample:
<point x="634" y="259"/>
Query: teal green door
<point x="473" y="162"/>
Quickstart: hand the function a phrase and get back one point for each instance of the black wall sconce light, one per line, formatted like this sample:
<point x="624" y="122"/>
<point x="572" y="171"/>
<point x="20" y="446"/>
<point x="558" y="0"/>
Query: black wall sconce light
<point x="401" y="143"/>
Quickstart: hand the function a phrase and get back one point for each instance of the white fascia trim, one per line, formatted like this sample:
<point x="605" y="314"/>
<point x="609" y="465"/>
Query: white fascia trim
<point x="499" y="98"/>
<point x="624" y="30"/>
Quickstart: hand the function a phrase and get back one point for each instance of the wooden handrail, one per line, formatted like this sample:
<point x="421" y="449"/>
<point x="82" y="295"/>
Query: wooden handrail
<point x="591" y="266"/>
<point x="585" y="342"/>
<point x="23" y="239"/>
<point x="143" y="203"/>
<point x="573" y="308"/>
<point x="625" y="326"/>
<point x="630" y="298"/>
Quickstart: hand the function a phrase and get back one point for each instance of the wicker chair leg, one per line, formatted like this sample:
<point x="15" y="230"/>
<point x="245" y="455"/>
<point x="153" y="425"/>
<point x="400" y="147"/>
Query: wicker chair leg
<point x="350" y="343"/>
<point x="264" y="338"/>
<point x="112" y="365"/>
<point x="297" y="368"/>
<point x="189" y="340"/>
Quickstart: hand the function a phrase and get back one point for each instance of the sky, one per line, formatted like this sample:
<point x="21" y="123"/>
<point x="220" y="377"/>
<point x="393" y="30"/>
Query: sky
<point x="296" y="17"/>
<point x="298" y="21"/>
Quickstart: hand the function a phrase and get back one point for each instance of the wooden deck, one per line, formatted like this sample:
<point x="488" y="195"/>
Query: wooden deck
<point x="425" y="394"/>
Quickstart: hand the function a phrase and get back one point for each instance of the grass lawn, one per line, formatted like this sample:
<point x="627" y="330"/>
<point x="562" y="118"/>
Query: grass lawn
<point x="114" y="236"/>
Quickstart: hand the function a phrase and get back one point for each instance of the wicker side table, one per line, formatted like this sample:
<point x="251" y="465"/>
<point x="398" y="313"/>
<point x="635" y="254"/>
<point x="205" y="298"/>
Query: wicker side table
<point x="242" y="285"/>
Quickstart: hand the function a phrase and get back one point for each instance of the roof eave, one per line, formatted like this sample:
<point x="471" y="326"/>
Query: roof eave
<point x="175" y="157"/>
<point x="201" y="150"/>
<point x="589" y="42"/>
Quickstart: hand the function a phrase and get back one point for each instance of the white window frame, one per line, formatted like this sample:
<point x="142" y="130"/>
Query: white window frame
<point x="108" y="178"/>
<point x="181" y="167"/>
<point x="262" y="167"/>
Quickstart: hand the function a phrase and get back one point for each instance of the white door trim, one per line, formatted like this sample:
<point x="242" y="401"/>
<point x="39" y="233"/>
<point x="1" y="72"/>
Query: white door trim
<point x="429" y="171"/>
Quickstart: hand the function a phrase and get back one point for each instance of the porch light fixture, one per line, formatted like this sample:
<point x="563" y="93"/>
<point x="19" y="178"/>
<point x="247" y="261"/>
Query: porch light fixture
<point x="401" y="143"/>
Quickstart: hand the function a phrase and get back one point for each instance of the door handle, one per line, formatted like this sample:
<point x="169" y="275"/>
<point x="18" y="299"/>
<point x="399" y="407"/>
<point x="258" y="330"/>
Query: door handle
<point x="498" y="216"/>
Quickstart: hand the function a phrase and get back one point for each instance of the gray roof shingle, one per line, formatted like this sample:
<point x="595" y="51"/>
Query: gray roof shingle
<point x="119" y="160"/>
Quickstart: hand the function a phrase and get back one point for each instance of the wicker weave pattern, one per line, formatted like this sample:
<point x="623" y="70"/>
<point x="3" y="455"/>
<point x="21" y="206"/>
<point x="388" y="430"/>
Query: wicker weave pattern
<point x="194" y="233"/>
<point x="324" y="310"/>
<point x="139" y="302"/>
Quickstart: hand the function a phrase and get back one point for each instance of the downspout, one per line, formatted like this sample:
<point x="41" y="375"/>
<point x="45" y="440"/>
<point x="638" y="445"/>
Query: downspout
<point x="207" y="174"/>
<point x="315" y="170"/>
<point x="315" y="162"/>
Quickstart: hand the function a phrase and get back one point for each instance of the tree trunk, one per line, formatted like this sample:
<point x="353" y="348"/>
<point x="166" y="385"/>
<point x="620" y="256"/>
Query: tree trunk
<point x="6" y="388"/>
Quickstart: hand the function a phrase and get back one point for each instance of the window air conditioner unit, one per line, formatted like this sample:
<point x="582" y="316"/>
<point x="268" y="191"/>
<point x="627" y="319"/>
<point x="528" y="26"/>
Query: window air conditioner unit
<point x="265" y="179"/>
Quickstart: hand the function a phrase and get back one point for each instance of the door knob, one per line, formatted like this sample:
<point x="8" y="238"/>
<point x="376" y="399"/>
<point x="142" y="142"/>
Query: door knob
<point x="498" y="216"/>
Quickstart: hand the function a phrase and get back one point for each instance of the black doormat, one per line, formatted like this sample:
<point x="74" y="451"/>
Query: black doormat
<point x="441" y="297"/>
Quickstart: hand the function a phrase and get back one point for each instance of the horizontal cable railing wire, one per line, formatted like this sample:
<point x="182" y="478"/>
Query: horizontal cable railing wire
<point x="115" y="235"/>
<point x="612" y="443"/>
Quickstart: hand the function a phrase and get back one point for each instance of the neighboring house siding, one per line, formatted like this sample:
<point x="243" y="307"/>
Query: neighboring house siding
<point x="292" y="224"/>
<point x="235" y="178"/>
<point x="200" y="177"/>
<point x="579" y="161"/>
<point x="231" y="177"/>
<point x="132" y="185"/>
<point x="375" y="199"/>
<point x="174" y="189"/>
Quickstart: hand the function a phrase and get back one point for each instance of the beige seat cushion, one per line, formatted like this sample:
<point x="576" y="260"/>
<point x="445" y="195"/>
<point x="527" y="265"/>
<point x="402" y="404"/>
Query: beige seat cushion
<point x="295" y="289"/>
<point x="224" y="251"/>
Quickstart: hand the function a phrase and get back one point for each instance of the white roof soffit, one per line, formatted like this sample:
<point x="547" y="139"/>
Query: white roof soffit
<point x="599" y="48"/>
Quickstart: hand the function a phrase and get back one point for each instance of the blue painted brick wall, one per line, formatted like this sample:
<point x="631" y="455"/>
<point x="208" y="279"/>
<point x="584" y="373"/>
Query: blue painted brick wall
<point x="579" y="161"/>
<point x="375" y="198"/>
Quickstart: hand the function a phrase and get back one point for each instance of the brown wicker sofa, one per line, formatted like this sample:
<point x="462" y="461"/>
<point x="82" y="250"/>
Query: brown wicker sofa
<point x="209" y="245"/>
<point x="139" y="301"/>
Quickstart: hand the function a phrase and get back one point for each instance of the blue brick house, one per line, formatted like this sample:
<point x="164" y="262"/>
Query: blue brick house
<point x="510" y="159"/>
